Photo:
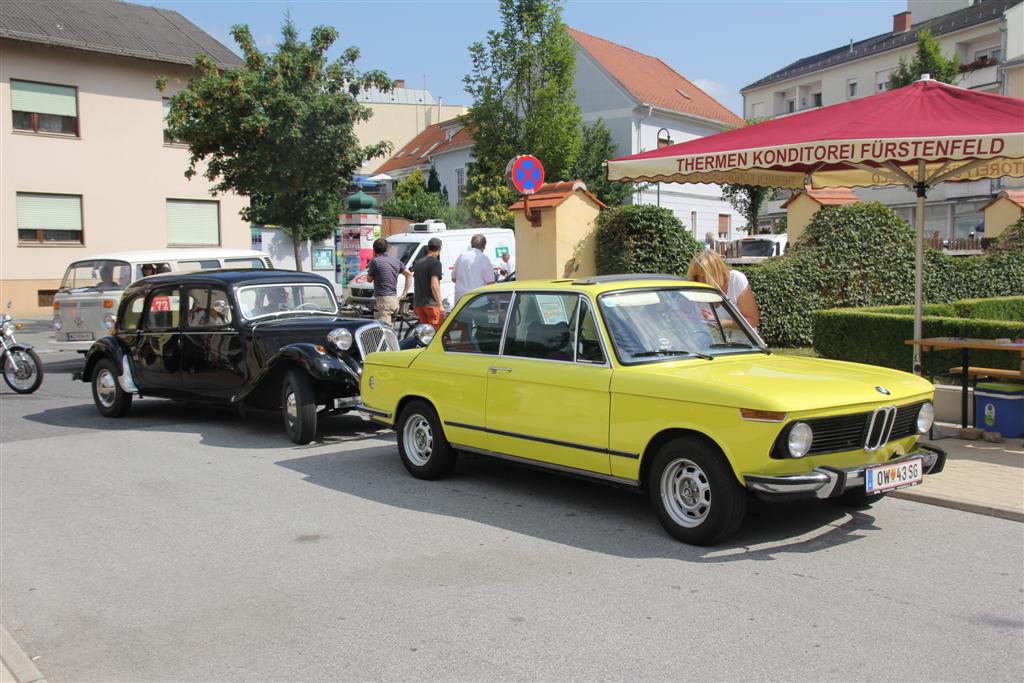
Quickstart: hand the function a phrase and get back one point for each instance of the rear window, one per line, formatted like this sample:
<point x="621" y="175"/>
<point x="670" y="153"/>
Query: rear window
<point x="191" y="266"/>
<point x="757" y="248"/>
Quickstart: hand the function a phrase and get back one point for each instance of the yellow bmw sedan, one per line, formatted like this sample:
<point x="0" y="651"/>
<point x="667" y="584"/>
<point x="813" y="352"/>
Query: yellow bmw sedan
<point x="652" y="382"/>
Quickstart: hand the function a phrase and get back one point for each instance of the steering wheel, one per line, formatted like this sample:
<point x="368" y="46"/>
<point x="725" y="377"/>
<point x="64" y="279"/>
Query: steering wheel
<point x="698" y="339"/>
<point x="307" y="307"/>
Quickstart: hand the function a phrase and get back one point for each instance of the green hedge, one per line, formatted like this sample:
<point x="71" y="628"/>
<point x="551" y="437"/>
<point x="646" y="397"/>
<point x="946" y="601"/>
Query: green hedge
<point x="878" y="337"/>
<point x="998" y="308"/>
<point x="643" y="239"/>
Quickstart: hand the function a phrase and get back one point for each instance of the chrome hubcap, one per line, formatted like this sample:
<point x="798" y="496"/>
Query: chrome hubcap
<point x="19" y="369"/>
<point x="291" y="409"/>
<point x="686" y="492"/>
<point x="106" y="388"/>
<point x="418" y="439"/>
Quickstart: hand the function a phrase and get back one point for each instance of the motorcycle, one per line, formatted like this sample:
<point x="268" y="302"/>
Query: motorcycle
<point x="23" y="371"/>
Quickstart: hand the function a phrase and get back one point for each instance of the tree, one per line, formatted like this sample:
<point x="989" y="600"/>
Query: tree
<point x="434" y="182"/>
<point x="412" y="200"/>
<point x="748" y="200"/>
<point x="279" y="129"/>
<point x="524" y="102"/>
<point x="928" y="60"/>
<point x="596" y="147"/>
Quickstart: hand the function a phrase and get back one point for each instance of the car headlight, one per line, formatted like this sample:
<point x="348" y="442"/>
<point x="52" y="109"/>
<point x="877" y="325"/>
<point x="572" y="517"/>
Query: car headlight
<point x="6" y="328"/>
<point x="925" y="417"/>
<point x="340" y="338"/>
<point x="799" y="439"/>
<point x="424" y="333"/>
<point x="108" y="321"/>
<point x="57" y="324"/>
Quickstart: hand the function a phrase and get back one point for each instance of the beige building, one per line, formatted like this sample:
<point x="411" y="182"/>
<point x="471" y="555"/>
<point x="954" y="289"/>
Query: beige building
<point x="1003" y="211"/>
<point x="84" y="165"/>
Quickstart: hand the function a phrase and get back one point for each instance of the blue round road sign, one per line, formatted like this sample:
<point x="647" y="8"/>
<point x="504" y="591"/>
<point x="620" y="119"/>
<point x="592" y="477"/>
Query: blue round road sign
<point x="526" y="174"/>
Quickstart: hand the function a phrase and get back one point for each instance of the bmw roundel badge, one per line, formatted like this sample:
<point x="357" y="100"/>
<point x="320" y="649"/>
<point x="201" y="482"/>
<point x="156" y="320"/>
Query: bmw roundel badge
<point x="882" y="390"/>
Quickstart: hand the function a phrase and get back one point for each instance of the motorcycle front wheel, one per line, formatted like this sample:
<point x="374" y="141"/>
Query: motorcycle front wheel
<point x="23" y="371"/>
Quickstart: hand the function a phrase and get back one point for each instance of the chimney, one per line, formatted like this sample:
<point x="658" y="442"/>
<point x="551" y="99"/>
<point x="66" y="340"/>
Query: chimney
<point x="401" y="82"/>
<point x="901" y="22"/>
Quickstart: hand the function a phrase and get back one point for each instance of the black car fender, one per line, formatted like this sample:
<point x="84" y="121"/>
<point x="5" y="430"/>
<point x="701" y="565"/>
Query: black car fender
<point x="110" y="347"/>
<point x="321" y="366"/>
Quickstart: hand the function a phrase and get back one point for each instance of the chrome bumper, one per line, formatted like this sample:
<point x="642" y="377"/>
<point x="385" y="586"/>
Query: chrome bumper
<point x="829" y="482"/>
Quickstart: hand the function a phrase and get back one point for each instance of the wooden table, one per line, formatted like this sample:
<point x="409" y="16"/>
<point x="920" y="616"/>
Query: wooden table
<point x="965" y="346"/>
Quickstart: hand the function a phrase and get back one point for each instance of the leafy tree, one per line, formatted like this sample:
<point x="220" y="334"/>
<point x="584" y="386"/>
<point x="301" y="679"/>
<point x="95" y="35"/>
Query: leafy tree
<point x="279" y="129"/>
<point x="928" y="60"/>
<point x="748" y="200"/>
<point x="412" y="200"/>
<point x="596" y="147"/>
<point x="434" y="182"/>
<point x="521" y="84"/>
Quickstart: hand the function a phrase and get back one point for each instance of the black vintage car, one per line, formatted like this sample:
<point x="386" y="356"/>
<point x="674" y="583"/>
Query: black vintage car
<point x="261" y="338"/>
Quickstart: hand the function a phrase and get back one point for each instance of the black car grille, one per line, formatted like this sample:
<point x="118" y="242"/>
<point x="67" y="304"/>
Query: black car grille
<point x="850" y="432"/>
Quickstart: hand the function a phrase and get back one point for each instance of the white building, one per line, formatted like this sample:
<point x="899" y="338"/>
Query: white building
<point x="988" y="38"/>
<point x="644" y="103"/>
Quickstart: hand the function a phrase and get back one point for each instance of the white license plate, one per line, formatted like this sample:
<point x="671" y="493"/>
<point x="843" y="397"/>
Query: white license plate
<point x="79" y="336"/>
<point x="893" y="475"/>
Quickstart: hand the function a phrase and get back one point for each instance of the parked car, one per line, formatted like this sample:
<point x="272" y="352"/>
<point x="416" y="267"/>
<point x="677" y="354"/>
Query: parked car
<point x="655" y="383"/>
<point x="92" y="287"/>
<point x="263" y="338"/>
<point x="410" y="246"/>
<point x="763" y="246"/>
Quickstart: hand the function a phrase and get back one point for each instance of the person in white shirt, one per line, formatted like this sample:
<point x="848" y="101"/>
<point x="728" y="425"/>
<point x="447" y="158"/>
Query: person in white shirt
<point x="472" y="269"/>
<point x="507" y="265"/>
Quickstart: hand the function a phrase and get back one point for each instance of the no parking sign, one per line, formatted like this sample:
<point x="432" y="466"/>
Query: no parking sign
<point x="525" y="174"/>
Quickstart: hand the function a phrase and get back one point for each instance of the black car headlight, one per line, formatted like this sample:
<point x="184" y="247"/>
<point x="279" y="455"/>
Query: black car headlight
<point x="340" y="338"/>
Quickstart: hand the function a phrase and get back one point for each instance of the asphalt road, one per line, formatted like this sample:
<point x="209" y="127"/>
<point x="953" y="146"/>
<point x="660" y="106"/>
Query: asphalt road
<point x="188" y="543"/>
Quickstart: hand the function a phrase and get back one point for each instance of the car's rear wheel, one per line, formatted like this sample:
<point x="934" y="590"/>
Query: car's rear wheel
<point x="110" y="399"/>
<point x="298" y="407"/>
<point x="694" y="493"/>
<point x="424" y="450"/>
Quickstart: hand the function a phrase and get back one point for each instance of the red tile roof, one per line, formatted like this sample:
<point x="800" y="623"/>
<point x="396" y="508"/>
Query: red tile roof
<point x="1015" y="196"/>
<point x="553" y="194"/>
<point x="429" y="142"/>
<point x="652" y="81"/>
<point x="831" y="196"/>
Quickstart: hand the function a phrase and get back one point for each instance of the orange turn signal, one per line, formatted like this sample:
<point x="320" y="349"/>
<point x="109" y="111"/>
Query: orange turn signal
<point x="18" y="326"/>
<point x="56" y="305"/>
<point x="108" y="303"/>
<point x="319" y="348"/>
<point x="762" y="415"/>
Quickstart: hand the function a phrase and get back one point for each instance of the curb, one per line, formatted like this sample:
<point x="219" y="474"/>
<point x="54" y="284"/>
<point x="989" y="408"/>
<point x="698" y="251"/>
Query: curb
<point x="16" y="661"/>
<point x="1002" y="513"/>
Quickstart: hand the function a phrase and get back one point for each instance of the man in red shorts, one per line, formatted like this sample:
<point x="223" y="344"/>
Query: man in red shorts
<point x="426" y="274"/>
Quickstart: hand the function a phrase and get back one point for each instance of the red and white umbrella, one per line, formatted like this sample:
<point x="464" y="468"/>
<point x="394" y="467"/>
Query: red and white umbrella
<point x="917" y="136"/>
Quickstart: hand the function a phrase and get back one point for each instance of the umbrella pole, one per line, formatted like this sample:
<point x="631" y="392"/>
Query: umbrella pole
<point x="921" y="188"/>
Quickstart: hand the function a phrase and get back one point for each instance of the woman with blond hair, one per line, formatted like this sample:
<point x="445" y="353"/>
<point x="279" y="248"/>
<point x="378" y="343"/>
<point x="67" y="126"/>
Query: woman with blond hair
<point x="709" y="268"/>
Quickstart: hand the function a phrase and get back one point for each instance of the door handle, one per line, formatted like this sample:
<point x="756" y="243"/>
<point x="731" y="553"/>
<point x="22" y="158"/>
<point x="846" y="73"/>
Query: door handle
<point x="495" y="371"/>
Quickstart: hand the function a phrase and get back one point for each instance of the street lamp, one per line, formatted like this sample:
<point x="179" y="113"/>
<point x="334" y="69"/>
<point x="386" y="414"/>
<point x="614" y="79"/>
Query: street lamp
<point x="662" y="142"/>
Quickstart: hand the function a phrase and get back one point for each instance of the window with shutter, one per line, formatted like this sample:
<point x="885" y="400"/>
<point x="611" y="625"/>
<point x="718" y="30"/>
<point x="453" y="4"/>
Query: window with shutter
<point x="44" y="108"/>
<point x="46" y="218"/>
<point x="193" y="223"/>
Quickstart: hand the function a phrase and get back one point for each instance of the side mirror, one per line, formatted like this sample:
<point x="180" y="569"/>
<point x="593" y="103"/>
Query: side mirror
<point x="424" y="333"/>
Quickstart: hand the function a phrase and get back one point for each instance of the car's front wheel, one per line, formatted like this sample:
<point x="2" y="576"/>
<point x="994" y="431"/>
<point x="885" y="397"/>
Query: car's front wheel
<point x="424" y="450"/>
<point x="694" y="493"/>
<point x="298" y="407"/>
<point x="111" y="400"/>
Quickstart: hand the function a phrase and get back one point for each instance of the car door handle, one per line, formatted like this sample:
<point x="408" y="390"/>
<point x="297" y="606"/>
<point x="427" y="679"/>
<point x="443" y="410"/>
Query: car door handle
<point x="495" y="371"/>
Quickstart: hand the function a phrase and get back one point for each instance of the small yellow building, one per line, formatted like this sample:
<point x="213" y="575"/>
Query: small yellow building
<point x="801" y="207"/>
<point x="1003" y="211"/>
<point x="555" y="232"/>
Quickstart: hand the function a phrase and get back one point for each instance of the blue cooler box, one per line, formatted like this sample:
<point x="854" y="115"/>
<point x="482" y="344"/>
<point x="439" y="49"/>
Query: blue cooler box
<point x="999" y="407"/>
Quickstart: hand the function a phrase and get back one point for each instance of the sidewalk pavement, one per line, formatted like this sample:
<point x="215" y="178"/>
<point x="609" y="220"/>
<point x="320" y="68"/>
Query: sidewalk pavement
<point x="981" y="477"/>
<point x="15" y="665"/>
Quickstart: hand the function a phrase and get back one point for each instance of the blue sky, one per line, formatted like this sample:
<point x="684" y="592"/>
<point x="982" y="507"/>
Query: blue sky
<point x="721" y="45"/>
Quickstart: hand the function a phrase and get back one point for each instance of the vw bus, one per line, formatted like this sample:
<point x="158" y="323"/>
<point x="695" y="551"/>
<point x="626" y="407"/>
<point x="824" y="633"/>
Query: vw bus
<point x="86" y="302"/>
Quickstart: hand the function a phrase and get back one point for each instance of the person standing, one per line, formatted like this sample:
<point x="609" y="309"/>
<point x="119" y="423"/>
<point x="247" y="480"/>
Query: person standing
<point x="508" y="266"/>
<point x="426" y="298"/>
<point x="383" y="271"/>
<point x="472" y="269"/>
<point x="709" y="268"/>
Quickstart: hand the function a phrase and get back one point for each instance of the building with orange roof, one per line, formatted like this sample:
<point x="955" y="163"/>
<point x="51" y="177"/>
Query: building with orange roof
<point x="1003" y="211"/>
<point x="801" y="207"/>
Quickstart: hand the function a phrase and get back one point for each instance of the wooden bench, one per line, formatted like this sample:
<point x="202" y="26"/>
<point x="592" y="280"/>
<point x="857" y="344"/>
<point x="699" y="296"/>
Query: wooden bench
<point x="999" y="373"/>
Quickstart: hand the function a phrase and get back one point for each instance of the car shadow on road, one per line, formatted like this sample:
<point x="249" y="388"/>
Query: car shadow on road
<point x="575" y="512"/>
<point x="216" y="425"/>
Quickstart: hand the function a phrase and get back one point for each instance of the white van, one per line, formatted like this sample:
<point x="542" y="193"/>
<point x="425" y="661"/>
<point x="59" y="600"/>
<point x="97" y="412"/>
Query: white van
<point x="412" y="245"/>
<point x="86" y="303"/>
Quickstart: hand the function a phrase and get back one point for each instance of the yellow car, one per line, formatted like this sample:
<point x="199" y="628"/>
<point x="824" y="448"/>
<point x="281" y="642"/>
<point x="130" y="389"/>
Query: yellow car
<point x="652" y="382"/>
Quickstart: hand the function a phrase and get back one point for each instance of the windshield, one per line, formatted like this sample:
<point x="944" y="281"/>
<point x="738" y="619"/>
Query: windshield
<point x="402" y="250"/>
<point x="272" y="300"/>
<point x="100" y="275"/>
<point x="757" y="248"/>
<point x="656" y="324"/>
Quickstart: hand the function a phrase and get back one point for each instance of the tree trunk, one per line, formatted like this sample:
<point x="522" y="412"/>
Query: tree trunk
<point x="297" y="246"/>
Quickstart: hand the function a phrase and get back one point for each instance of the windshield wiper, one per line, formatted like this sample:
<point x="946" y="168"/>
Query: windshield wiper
<point x="673" y="352"/>
<point x="740" y="345"/>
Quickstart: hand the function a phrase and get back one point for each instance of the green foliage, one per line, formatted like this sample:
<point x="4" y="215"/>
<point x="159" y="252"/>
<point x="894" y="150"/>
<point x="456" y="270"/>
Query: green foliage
<point x="279" y="129"/>
<point x="996" y="308"/>
<point x="878" y="336"/>
<point x="524" y="102"/>
<point x="457" y="216"/>
<point x="412" y="200"/>
<point x="748" y="201"/>
<point x="863" y="255"/>
<point x="781" y="226"/>
<point x="927" y="60"/>
<point x="596" y="148"/>
<point x="433" y="182"/>
<point x="643" y="239"/>
<point x="1012" y="239"/>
